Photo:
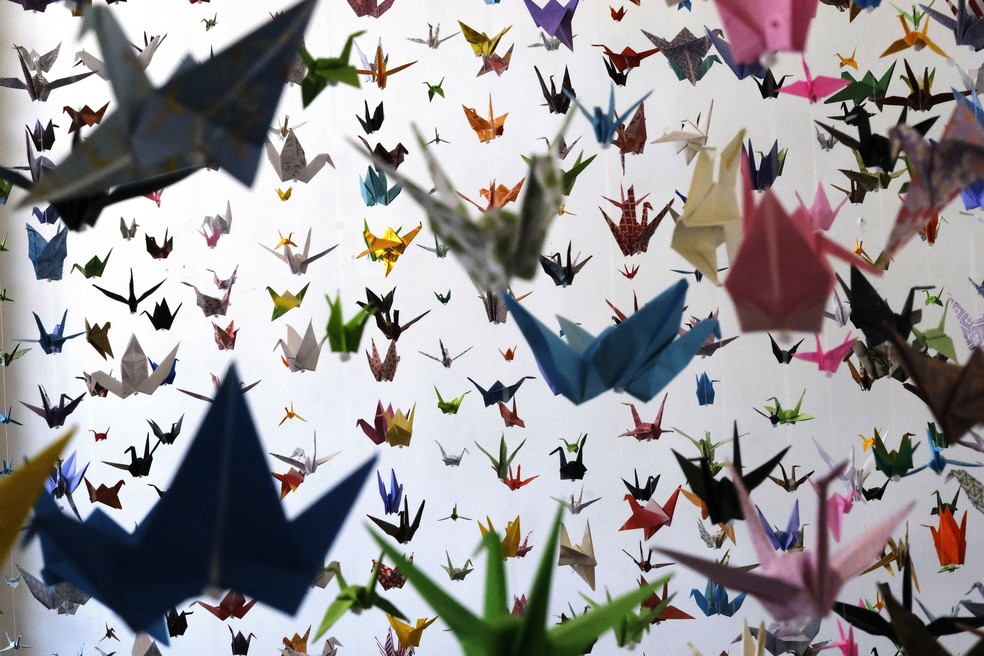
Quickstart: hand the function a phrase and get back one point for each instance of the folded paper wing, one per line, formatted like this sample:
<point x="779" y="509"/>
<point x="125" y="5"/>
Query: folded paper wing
<point x="796" y="584"/>
<point x="640" y="355"/>
<point x="196" y="537"/>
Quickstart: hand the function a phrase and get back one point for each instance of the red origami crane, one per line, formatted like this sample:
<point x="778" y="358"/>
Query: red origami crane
<point x="780" y="278"/>
<point x="651" y="517"/>
<point x="632" y="234"/>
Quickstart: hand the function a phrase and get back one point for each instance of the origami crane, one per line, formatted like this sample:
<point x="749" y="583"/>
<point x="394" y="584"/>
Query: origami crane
<point x="555" y="19"/>
<point x="276" y="564"/>
<point x="148" y="135"/>
<point x="497" y="632"/>
<point x="640" y="355"/>
<point x="711" y="215"/>
<point x="33" y="67"/>
<point x="799" y="583"/>
<point x="759" y="26"/>
<point x="301" y="353"/>
<point x="502" y="244"/>
<point x="291" y="163"/>
<point x="135" y="376"/>
<point x="389" y="247"/>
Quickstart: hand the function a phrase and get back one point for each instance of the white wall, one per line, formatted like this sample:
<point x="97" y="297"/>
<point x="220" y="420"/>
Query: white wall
<point x="340" y="392"/>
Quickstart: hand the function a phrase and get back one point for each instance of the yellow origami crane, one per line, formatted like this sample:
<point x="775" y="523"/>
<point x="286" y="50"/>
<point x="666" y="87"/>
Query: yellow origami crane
<point x="848" y="61"/>
<point x="711" y="216"/>
<point x="21" y="489"/>
<point x="409" y="636"/>
<point x="482" y="45"/>
<point x="283" y="303"/>
<point x="400" y="430"/>
<point x="285" y="241"/>
<point x="486" y="129"/>
<point x="510" y="543"/>
<point x="389" y="247"/>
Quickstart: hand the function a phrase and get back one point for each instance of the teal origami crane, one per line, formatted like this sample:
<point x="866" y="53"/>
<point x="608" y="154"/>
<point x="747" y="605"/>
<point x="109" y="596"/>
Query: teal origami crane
<point x="641" y="355"/>
<point x="376" y="190"/>
<point x="220" y="525"/>
<point x="217" y="112"/>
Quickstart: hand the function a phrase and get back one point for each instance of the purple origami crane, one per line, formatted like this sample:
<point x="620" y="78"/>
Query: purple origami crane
<point x="555" y="19"/>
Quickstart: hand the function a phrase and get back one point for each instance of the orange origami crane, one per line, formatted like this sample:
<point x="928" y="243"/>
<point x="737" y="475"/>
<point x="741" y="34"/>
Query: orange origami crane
<point x="913" y="39"/>
<point x="496" y="195"/>
<point x="389" y="247"/>
<point x="950" y="540"/>
<point x="380" y="71"/>
<point x="486" y="129"/>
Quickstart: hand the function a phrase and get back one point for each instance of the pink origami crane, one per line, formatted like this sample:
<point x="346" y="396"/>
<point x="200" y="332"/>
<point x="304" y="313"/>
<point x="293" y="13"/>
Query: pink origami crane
<point x="796" y="584"/>
<point x="373" y="8"/>
<point x="846" y="643"/>
<point x="828" y="361"/>
<point x="820" y="215"/>
<point x="780" y="278"/>
<point x="755" y="27"/>
<point x="645" y="430"/>
<point x="814" y="88"/>
<point x="377" y="431"/>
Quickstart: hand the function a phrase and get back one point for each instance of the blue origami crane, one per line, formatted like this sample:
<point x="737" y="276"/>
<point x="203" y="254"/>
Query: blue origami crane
<point x="715" y="600"/>
<point x="54" y="341"/>
<point x="938" y="461"/>
<point x="741" y="71"/>
<point x="391" y="499"/>
<point x="973" y="195"/>
<point x="705" y="389"/>
<point x="66" y="478"/>
<point x="641" y="355"/>
<point x="48" y="257"/>
<point x="374" y="188"/>
<point x="606" y="123"/>
<point x="787" y="539"/>
<point x="221" y="525"/>
<point x="215" y="113"/>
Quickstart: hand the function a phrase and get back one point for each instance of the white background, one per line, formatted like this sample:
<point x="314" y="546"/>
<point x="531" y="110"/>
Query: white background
<point x="340" y="392"/>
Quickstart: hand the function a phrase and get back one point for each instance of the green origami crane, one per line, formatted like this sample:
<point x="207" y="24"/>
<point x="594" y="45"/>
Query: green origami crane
<point x="895" y="463"/>
<point x="936" y="338"/>
<point x="867" y="88"/>
<point x="95" y="267"/>
<point x="325" y="71"/>
<point x="502" y="463"/>
<point x="779" y="415"/>
<point x="498" y="632"/>
<point x="344" y="336"/>
<point x="449" y="407"/>
<point x="356" y="598"/>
